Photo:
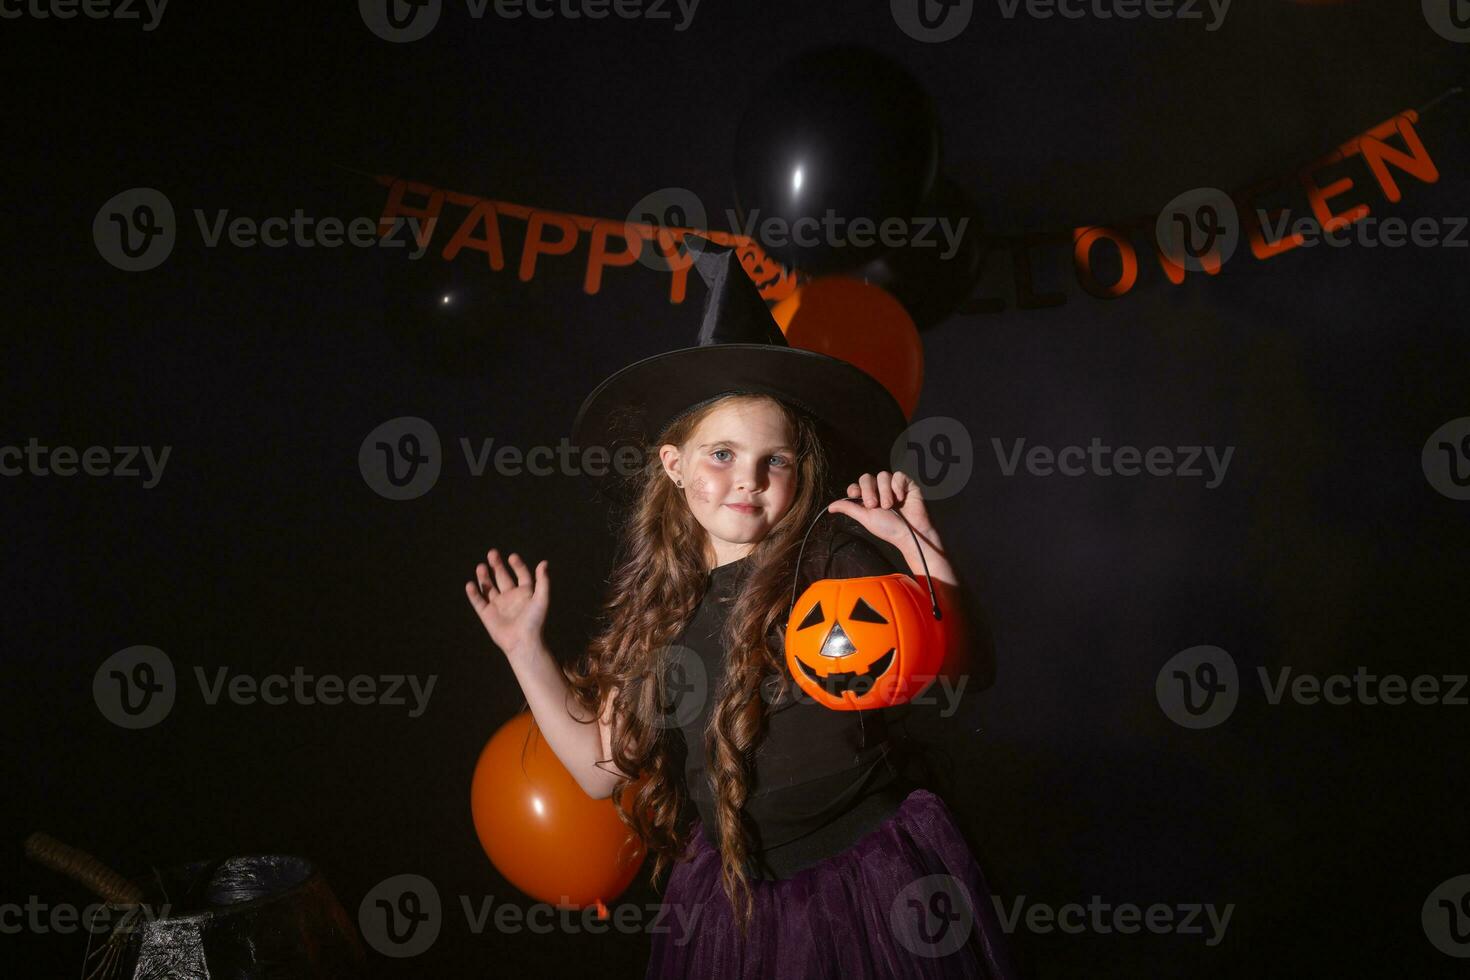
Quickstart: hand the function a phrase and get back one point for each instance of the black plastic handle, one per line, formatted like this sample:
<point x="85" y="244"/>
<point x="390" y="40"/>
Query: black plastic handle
<point x="928" y="579"/>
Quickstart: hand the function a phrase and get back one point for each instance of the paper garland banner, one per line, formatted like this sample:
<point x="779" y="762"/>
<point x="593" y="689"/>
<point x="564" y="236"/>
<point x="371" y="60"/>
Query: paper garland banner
<point x="1176" y="259"/>
<point x="1387" y="150"/>
<point x="480" y="230"/>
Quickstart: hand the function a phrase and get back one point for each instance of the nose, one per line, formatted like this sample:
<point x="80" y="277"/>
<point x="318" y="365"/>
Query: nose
<point x="751" y="478"/>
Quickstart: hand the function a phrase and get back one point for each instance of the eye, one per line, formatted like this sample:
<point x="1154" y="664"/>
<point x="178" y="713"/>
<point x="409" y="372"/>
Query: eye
<point x="782" y="461"/>
<point x="718" y="451"/>
<point x="864" y="613"/>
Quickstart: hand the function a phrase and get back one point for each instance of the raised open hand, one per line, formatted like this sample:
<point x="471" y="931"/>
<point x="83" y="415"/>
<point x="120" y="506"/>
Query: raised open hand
<point x="875" y="511"/>
<point x="512" y="607"/>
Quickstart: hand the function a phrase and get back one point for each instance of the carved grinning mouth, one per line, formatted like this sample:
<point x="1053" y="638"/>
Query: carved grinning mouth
<point x="838" y="683"/>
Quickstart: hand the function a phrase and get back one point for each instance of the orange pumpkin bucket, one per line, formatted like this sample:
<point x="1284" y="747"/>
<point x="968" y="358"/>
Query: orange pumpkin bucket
<point x="856" y="644"/>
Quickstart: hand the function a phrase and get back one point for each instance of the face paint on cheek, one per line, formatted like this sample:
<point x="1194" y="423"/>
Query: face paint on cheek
<point x="700" y="488"/>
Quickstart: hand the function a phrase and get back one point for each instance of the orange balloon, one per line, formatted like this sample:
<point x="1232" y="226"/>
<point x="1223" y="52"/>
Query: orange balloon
<point x="541" y="830"/>
<point x="862" y="324"/>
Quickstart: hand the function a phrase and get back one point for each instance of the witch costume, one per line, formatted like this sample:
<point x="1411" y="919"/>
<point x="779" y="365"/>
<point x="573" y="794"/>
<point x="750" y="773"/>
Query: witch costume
<point x="858" y="871"/>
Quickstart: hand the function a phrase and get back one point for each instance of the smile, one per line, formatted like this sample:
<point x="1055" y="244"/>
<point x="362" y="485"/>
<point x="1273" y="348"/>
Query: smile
<point x="840" y="682"/>
<point x="743" y="508"/>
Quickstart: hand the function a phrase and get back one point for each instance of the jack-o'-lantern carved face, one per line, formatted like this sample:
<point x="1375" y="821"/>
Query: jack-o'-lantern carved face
<point x="859" y="643"/>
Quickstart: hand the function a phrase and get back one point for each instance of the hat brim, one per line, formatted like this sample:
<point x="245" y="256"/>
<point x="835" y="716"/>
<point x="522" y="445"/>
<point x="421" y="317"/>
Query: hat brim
<point x="635" y="403"/>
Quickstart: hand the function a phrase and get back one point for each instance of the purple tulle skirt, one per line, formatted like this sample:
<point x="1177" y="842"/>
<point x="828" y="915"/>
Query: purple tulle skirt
<point x="907" y="900"/>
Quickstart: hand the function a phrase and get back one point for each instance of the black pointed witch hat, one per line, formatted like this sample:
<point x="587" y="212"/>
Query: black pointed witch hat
<point x="740" y="348"/>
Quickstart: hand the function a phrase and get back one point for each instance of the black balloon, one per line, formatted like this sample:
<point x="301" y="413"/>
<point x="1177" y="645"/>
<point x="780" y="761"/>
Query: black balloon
<point x="840" y="129"/>
<point x="931" y="276"/>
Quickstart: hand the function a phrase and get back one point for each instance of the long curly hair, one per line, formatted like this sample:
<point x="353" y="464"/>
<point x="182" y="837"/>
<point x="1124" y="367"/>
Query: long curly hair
<point x="657" y="584"/>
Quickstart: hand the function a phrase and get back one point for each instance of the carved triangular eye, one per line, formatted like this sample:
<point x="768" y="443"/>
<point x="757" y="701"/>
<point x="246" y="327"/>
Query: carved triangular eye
<point x="864" y="613"/>
<point x="813" y="618"/>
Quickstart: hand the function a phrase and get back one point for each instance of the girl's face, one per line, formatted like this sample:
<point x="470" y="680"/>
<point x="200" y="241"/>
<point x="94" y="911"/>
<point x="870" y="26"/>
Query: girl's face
<point x="740" y="454"/>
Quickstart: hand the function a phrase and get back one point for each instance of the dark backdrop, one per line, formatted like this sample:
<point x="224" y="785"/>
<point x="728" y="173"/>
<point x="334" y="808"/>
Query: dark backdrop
<point x="263" y="548"/>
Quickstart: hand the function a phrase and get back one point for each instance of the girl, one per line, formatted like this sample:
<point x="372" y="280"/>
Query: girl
<point x="797" y="847"/>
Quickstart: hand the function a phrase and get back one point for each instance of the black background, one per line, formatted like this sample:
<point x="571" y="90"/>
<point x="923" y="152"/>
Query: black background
<point x="263" y="548"/>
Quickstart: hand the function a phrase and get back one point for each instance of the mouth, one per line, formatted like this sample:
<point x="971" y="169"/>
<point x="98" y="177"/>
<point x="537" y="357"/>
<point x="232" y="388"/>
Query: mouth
<point x="838" y="683"/>
<point x="743" y="508"/>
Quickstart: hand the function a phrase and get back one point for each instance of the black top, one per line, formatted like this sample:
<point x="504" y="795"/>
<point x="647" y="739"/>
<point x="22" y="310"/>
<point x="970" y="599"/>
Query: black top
<point x="823" y="778"/>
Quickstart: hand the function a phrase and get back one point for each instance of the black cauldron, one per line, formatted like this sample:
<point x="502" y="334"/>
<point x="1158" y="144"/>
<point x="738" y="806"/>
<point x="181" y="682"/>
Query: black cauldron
<point x="240" y="918"/>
